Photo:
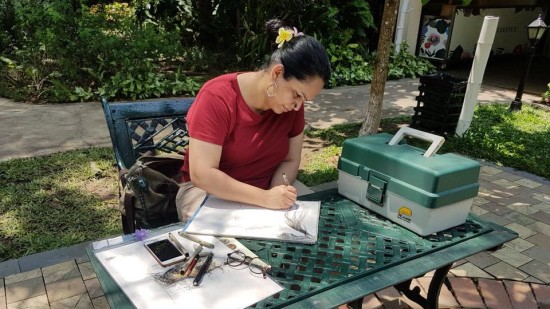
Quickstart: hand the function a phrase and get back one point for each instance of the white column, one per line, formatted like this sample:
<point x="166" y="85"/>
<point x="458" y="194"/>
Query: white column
<point x="484" y="44"/>
<point x="401" y="17"/>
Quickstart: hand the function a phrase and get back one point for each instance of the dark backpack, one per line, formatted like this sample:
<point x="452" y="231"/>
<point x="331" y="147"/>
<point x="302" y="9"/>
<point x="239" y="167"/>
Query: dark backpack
<point x="149" y="189"/>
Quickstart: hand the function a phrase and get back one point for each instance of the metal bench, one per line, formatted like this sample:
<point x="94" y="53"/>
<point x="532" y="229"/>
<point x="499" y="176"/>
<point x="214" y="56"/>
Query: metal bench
<point x="139" y="127"/>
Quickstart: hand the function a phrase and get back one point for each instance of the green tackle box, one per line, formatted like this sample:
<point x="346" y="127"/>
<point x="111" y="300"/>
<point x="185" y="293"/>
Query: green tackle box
<point x="416" y="188"/>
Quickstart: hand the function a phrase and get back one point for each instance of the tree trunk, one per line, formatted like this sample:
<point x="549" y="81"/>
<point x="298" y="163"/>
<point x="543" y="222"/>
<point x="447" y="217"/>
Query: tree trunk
<point x="380" y="71"/>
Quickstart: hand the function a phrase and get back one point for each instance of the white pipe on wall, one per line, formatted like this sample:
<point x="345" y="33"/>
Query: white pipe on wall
<point x="401" y="17"/>
<point x="484" y="44"/>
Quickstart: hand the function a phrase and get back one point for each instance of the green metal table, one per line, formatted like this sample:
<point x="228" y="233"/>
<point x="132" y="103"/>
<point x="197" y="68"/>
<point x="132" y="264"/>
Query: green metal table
<point x="357" y="253"/>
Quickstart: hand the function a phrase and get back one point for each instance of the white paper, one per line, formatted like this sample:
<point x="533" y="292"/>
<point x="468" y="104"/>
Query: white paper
<point x="219" y="217"/>
<point x="136" y="272"/>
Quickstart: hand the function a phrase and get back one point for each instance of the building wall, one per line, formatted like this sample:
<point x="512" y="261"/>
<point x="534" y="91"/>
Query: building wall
<point x="510" y="38"/>
<point x="511" y="31"/>
<point x="411" y="16"/>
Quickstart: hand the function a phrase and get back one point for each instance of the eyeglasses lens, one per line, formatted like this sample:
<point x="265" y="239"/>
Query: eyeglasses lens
<point x="238" y="258"/>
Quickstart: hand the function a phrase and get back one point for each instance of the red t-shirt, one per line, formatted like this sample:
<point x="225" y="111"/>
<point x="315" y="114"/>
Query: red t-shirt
<point x="253" y="145"/>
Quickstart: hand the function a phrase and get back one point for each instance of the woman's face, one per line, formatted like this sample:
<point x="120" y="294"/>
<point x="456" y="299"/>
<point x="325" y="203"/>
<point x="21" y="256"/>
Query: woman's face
<point x="291" y="94"/>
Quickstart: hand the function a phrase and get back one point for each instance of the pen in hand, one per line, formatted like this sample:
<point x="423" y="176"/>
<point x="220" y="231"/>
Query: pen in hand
<point x="203" y="269"/>
<point x="285" y="180"/>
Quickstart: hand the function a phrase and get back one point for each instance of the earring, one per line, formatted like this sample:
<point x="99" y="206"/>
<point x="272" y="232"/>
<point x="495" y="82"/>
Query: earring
<point x="271" y="90"/>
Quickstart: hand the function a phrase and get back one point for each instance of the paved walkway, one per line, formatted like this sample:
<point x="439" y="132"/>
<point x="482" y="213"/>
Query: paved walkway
<point x="515" y="276"/>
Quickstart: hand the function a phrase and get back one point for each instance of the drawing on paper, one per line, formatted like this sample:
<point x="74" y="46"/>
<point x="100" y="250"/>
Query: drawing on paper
<point x="295" y="218"/>
<point x="173" y="274"/>
<point x="232" y="219"/>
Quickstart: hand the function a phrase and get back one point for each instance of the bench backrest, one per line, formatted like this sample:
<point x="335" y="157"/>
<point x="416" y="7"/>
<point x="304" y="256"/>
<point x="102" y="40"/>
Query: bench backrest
<point x="138" y="127"/>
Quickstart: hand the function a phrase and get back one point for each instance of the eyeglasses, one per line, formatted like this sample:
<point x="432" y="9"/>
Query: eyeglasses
<point x="237" y="259"/>
<point x="305" y="100"/>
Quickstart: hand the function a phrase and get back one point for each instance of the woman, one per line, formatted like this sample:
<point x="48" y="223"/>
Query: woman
<point x="246" y="129"/>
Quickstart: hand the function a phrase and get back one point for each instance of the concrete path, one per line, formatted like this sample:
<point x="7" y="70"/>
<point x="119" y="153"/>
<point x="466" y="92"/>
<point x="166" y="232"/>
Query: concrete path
<point x="34" y="130"/>
<point x="515" y="276"/>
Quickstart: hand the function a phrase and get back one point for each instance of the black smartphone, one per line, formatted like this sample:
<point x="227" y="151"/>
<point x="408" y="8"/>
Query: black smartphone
<point x="165" y="251"/>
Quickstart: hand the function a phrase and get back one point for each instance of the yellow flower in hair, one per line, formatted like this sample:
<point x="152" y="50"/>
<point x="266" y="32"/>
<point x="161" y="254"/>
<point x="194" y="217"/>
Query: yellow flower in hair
<point x="284" y="36"/>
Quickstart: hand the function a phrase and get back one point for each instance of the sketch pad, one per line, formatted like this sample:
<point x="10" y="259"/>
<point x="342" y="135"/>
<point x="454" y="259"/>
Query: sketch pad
<point x="219" y="217"/>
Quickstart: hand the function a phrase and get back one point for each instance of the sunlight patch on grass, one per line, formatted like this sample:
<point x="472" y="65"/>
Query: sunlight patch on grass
<point x="322" y="167"/>
<point x="52" y="201"/>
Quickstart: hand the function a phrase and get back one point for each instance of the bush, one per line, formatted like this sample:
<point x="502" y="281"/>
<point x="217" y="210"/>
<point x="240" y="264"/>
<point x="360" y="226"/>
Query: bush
<point x="7" y="25"/>
<point x="349" y="66"/>
<point x="352" y="65"/>
<point x="546" y="95"/>
<point x="403" y="64"/>
<point x="80" y="50"/>
<point x="82" y="53"/>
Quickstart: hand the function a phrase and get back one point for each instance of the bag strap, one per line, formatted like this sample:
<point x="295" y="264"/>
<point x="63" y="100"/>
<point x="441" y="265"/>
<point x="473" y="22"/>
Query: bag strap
<point x="148" y="157"/>
<point x="129" y="211"/>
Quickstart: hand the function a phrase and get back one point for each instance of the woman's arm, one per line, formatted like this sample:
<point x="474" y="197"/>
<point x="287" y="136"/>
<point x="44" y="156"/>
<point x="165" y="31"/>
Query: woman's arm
<point x="291" y="163"/>
<point x="204" y="160"/>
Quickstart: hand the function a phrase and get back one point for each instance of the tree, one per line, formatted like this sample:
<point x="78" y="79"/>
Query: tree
<point x="380" y="71"/>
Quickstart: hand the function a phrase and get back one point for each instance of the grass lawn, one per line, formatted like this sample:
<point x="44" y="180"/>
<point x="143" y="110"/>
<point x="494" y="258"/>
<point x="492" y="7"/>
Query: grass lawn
<point x="67" y="198"/>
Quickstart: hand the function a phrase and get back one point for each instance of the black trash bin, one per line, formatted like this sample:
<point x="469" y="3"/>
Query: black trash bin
<point x="439" y="103"/>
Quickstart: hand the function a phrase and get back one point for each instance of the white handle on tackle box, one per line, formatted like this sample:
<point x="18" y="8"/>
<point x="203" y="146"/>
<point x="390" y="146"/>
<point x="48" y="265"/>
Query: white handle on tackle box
<point x="436" y="140"/>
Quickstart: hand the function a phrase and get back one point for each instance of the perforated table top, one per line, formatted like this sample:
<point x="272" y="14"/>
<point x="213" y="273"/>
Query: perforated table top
<point x="357" y="254"/>
<point x="353" y="242"/>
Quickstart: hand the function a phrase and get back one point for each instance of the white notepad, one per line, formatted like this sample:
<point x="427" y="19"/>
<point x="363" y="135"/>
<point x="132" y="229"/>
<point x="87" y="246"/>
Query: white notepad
<point x="219" y="217"/>
<point x="137" y="274"/>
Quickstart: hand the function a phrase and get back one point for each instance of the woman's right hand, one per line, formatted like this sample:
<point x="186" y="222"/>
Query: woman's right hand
<point x="281" y="197"/>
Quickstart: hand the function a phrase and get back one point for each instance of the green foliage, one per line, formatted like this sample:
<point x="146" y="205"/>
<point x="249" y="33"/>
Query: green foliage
<point x="7" y="26"/>
<point x="336" y="134"/>
<point x="403" y="64"/>
<point x="349" y="66"/>
<point x="518" y="140"/>
<point x="352" y="65"/>
<point x="80" y="53"/>
<point x="325" y="19"/>
<point x="182" y="85"/>
<point x="141" y="81"/>
<point x="24" y="82"/>
<point x="47" y="42"/>
<point x="318" y="171"/>
<point x="546" y="95"/>
<point x="66" y="51"/>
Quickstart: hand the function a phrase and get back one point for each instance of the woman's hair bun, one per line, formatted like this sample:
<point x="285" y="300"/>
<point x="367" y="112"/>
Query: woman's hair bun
<point x="272" y="26"/>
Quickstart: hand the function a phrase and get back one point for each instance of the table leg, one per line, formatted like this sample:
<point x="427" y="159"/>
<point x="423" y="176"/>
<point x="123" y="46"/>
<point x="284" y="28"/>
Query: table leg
<point x="435" y="286"/>
<point x="356" y="304"/>
<point x="430" y="302"/>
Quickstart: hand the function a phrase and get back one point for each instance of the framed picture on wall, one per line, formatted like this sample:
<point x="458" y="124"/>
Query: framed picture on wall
<point x="434" y="37"/>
